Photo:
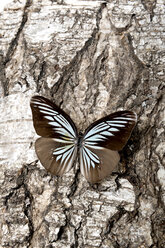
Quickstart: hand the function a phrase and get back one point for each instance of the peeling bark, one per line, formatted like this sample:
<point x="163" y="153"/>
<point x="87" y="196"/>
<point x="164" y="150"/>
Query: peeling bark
<point x="91" y="58"/>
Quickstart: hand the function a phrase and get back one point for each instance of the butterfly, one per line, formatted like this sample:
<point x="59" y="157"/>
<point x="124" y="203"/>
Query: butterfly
<point x="60" y="144"/>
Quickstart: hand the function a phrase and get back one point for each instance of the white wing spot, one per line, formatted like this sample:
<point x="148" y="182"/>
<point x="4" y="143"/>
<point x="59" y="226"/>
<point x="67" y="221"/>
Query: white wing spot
<point x="93" y="164"/>
<point x="58" y="157"/>
<point x="47" y="109"/>
<point x="46" y="112"/>
<point x="53" y="123"/>
<point x="111" y="122"/>
<point x="49" y="117"/>
<point x="124" y="118"/>
<point x="40" y="103"/>
<point x="117" y="125"/>
<point x="107" y="133"/>
<point x="114" y="129"/>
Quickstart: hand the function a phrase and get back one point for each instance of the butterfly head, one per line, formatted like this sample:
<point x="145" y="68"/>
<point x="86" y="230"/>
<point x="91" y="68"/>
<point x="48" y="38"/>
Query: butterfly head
<point x="81" y="134"/>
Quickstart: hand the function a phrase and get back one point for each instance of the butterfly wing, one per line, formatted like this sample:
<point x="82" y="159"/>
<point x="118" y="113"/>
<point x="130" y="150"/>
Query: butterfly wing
<point x="56" y="157"/>
<point x="51" y="121"/>
<point x="112" y="131"/>
<point x="57" y="148"/>
<point x="100" y="143"/>
<point x="96" y="164"/>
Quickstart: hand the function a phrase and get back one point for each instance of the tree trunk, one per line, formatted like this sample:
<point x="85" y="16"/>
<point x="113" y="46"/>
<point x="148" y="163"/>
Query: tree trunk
<point x="91" y="58"/>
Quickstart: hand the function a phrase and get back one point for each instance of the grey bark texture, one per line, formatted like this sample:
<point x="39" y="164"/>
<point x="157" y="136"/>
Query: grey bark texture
<point x="91" y="58"/>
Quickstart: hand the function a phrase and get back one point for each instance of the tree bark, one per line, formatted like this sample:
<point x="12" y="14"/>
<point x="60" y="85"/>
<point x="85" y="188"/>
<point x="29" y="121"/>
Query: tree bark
<point x="91" y="58"/>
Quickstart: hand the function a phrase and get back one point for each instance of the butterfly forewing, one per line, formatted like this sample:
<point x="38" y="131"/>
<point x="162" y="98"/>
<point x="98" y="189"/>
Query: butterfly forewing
<point x="50" y="121"/>
<point x="57" y="148"/>
<point x="100" y="143"/>
<point x="112" y="131"/>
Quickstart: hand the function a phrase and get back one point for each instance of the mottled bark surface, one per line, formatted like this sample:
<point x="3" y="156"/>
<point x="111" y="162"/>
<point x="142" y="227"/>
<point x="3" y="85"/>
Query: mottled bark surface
<point x="91" y="58"/>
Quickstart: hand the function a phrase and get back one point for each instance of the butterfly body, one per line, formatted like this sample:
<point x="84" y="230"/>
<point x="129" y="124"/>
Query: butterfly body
<point x="60" y="144"/>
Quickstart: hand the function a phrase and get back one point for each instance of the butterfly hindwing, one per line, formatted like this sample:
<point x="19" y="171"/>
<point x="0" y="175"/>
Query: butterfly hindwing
<point x="97" y="163"/>
<point x="56" y="157"/>
<point x="100" y="143"/>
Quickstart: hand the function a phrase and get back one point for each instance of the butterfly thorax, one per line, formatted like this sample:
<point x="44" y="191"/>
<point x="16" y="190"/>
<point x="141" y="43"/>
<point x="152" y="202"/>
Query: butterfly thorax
<point x="80" y="138"/>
